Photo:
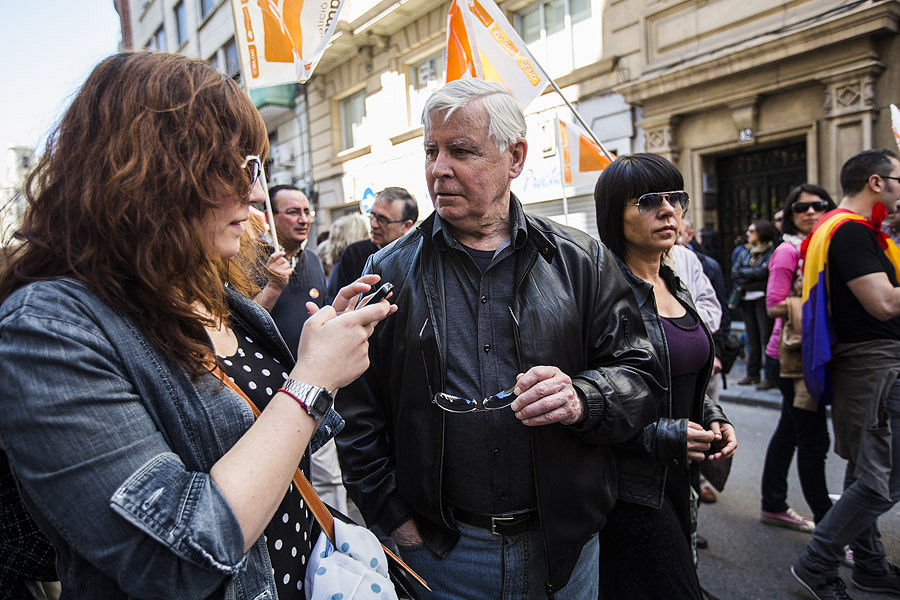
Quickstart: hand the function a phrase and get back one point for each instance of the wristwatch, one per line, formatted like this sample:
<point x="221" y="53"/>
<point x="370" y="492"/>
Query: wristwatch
<point x="316" y="400"/>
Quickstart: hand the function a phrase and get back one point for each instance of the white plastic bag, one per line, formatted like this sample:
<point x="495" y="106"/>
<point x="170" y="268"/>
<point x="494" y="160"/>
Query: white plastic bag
<point x="356" y="569"/>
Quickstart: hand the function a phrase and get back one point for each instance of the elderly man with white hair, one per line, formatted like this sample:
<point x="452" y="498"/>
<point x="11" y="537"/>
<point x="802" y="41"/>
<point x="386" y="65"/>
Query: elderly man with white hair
<point x="479" y="437"/>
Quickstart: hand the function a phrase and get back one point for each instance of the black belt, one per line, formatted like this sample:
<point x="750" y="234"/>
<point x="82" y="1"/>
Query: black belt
<point x="508" y="524"/>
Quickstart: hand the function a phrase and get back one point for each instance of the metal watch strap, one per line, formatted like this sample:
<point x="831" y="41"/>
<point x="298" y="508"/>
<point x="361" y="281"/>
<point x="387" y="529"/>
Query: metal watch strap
<point x="316" y="400"/>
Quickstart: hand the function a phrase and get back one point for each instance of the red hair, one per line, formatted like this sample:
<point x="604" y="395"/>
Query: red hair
<point x="119" y="197"/>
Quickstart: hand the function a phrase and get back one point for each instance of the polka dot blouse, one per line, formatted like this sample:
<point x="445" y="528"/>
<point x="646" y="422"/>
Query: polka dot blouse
<point x="289" y="535"/>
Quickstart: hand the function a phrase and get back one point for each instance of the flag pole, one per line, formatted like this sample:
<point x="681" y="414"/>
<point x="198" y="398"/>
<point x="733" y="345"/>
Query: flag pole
<point x="590" y="132"/>
<point x="262" y="167"/>
<point x="562" y="169"/>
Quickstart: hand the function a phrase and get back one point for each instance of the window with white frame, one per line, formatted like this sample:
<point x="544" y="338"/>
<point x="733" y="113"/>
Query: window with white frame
<point x="353" y="116"/>
<point x="232" y="60"/>
<point x="553" y="29"/>
<point x="158" y="41"/>
<point x="214" y="60"/>
<point x="206" y="7"/>
<point x="425" y="77"/>
<point x="181" y="27"/>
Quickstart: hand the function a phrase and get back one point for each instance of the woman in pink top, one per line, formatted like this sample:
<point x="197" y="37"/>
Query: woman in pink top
<point x="805" y="430"/>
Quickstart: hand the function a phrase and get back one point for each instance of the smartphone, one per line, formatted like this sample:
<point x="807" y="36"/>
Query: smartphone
<point x="379" y="295"/>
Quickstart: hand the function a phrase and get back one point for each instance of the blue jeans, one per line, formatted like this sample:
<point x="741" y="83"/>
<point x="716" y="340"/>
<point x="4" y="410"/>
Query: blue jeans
<point x="854" y="518"/>
<point x="484" y="566"/>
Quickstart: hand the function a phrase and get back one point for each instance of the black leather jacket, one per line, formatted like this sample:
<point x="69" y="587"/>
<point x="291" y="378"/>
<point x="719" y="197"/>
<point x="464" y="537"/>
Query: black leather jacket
<point x="749" y="272"/>
<point x="644" y="461"/>
<point x="572" y="309"/>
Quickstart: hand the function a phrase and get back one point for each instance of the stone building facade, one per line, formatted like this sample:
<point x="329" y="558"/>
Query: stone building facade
<point x="751" y="99"/>
<point x="748" y="98"/>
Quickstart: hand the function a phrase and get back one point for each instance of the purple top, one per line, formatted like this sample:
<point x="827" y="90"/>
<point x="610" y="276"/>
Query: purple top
<point x="688" y="345"/>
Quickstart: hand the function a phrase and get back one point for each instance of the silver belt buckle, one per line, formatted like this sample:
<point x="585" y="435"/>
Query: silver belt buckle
<point x="495" y="520"/>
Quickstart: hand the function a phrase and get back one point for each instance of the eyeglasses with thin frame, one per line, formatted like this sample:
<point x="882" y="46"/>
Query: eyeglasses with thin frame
<point x="296" y="212"/>
<point x="798" y="208"/>
<point x="253" y="164"/>
<point x="382" y="220"/>
<point x="652" y="201"/>
<point x="889" y="177"/>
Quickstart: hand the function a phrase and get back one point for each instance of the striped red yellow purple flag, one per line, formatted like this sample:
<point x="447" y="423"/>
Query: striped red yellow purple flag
<point x="818" y="332"/>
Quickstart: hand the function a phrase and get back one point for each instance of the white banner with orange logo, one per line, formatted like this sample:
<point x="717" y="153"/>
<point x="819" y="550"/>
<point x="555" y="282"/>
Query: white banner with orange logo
<point x="481" y="43"/>
<point x="580" y="158"/>
<point x="281" y="41"/>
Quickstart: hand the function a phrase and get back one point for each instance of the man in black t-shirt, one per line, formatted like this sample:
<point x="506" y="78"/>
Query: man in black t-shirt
<point x="864" y="297"/>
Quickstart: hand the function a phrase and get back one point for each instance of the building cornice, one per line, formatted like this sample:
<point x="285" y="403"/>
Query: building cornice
<point x="868" y="19"/>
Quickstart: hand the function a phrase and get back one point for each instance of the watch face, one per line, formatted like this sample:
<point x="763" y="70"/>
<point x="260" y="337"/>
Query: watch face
<point x="321" y="404"/>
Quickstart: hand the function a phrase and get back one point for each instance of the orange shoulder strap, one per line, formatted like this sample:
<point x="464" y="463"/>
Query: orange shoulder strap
<point x="316" y="506"/>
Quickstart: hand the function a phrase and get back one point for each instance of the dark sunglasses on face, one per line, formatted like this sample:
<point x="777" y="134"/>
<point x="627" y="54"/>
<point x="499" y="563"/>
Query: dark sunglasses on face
<point x="253" y="165"/>
<point x="463" y="405"/>
<point x="652" y="201"/>
<point x="802" y="207"/>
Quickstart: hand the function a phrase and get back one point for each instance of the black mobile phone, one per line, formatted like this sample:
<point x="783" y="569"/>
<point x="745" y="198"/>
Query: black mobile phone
<point x="379" y="295"/>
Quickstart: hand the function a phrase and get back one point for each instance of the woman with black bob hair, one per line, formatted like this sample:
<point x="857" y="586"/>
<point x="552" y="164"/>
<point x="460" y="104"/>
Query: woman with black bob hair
<point x="647" y="544"/>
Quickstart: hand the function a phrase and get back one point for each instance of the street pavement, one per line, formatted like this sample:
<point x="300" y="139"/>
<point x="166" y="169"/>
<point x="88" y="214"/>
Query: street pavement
<point x="747" y="560"/>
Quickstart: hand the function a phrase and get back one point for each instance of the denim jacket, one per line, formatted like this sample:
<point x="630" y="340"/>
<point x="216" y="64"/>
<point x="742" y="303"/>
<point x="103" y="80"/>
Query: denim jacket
<point x="112" y="444"/>
<point x="644" y="461"/>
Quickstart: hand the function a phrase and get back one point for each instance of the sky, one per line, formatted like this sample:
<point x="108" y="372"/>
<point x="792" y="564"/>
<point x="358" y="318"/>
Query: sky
<point x="48" y="48"/>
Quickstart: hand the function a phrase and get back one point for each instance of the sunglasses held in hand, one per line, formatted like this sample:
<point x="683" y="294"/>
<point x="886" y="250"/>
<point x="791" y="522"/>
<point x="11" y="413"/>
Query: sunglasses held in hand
<point x="462" y="405"/>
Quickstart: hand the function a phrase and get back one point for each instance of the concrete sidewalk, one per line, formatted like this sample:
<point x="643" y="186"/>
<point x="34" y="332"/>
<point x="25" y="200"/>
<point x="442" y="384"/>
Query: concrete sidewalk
<point x="746" y="394"/>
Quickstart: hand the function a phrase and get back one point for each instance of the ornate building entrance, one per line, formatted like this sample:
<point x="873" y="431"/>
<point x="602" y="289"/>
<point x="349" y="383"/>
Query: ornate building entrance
<point x="753" y="185"/>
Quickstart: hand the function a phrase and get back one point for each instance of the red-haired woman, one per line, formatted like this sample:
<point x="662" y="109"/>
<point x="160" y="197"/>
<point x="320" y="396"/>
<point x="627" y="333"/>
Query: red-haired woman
<point x="119" y="345"/>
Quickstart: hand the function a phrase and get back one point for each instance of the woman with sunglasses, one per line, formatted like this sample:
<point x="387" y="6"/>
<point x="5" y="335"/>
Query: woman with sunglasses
<point x="749" y="273"/>
<point x="127" y="338"/>
<point x="647" y="545"/>
<point x="803" y="426"/>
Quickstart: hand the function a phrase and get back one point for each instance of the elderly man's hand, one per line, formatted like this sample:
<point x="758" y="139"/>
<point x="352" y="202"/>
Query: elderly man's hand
<point x="546" y="395"/>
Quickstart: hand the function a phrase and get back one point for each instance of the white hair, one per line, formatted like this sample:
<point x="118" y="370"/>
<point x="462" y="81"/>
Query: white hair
<point x="506" y="123"/>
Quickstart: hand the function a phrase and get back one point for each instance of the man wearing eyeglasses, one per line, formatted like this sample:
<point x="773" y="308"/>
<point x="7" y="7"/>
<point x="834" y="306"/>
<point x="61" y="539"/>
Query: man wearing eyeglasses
<point x="393" y="214"/>
<point x="479" y="436"/>
<point x="854" y="325"/>
<point x="300" y="277"/>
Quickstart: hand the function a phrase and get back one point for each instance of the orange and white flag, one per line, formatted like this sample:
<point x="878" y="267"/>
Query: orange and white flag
<point x="281" y="41"/>
<point x="581" y="159"/>
<point x="481" y="43"/>
<point x="895" y="124"/>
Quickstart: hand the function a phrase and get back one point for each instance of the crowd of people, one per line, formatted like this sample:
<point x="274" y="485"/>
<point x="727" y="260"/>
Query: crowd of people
<point x="530" y="413"/>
